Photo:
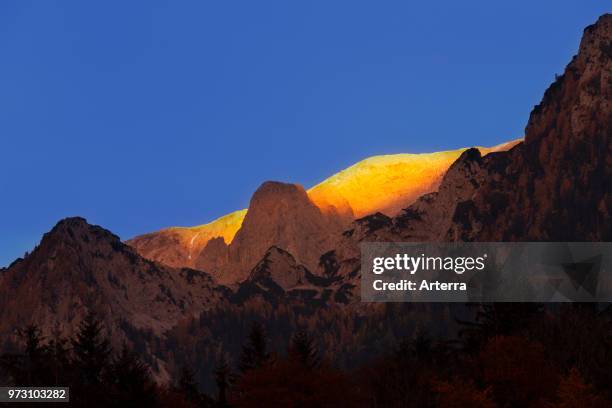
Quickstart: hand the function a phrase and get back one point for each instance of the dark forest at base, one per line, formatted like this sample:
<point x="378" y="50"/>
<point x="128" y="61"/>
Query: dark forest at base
<point x="510" y="355"/>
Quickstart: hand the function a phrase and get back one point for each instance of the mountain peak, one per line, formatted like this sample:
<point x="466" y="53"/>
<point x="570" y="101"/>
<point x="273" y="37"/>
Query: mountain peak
<point x="280" y="214"/>
<point x="597" y="34"/>
<point x="385" y="184"/>
<point x="280" y="266"/>
<point x="276" y="187"/>
<point x="277" y="191"/>
<point x="76" y="220"/>
<point x="80" y="267"/>
<point x="556" y="185"/>
<point x="581" y="91"/>
<point x="77" y="232"/>
<point x="70" y="224"/>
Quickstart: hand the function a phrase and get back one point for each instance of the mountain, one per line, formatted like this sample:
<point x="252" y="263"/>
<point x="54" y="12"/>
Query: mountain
<point x="555" y="186"/>
<point x="180" y="246"/>
<point x="380" y="183"/>
<point x="294" y="263"/>
<point x="80" y="268"/>
<point x="278" y="275"/>
<point x="388" y="183"/>
<point x="282" y="215"/>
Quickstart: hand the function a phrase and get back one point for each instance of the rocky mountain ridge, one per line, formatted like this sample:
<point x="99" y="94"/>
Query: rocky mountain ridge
<point x="380" y="183"/>
<point x="79" y="268"/>
<point x="555" y="186"/>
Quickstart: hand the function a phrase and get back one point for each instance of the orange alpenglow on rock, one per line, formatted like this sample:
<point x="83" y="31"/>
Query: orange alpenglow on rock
<point x="388" y="183"/>
<point x="180" y="246"/>
<point x="381" y="183"/>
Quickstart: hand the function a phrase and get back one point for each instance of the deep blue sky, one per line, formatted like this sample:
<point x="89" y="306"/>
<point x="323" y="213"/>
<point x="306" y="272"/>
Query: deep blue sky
<point x="140" y="116"/>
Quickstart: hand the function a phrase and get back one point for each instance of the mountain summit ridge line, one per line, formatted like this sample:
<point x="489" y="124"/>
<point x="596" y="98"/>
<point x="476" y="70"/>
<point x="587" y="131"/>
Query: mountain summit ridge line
<point x="382" y="183"/>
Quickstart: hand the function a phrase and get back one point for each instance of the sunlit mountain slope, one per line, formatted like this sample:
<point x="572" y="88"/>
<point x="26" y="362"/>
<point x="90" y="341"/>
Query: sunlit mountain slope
<point x="388" y="183"/>
<point x="180" y="246"/>
<point x="381" y="183"/>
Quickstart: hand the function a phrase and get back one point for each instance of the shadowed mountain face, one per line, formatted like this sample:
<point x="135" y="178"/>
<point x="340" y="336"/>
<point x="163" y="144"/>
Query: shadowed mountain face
<point x="79" y="268"/>
<point x="556" y="186"/>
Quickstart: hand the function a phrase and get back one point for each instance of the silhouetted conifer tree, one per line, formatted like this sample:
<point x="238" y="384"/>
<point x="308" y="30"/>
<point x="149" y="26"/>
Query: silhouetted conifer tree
<point x="59" y="356"/>
<point x="90" y="361"/>
<point x="304" y="349"/>
<point x="255" y="352"/>
<point x="28" y="368"/>
<point x="420" y="349"/>
<point x="187" y="385"/>
<point x="493" y="319"/>
<point x="223" y="380"/>
<point x="35" y="362"/>
<point x="131" y="381"/>
<point x="91" y="350"/>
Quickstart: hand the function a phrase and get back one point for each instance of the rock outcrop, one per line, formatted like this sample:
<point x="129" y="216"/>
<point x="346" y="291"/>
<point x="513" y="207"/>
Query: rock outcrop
<point x="279" y="215"/>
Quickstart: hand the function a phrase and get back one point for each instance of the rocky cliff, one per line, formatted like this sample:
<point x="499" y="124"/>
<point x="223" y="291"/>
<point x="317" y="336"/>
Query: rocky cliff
<point x="279" y="215"/>
<point x="555" y="186"/>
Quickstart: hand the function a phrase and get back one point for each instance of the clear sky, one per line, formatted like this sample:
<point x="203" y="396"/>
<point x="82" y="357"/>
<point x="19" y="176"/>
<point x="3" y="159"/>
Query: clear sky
<point x="141" y="115"/>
